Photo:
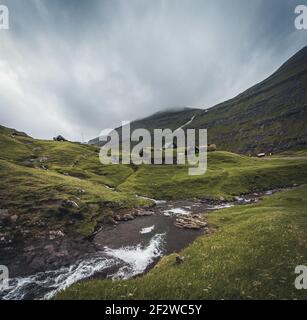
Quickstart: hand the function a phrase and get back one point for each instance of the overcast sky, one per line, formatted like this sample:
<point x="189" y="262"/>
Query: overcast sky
<point x="75" y="67"/>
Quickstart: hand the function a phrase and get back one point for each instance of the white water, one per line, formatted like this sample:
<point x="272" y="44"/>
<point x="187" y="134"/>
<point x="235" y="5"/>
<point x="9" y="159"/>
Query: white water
<point x="153" y="200"/>
<point x="176" y="211"/>
<point x="55" y="280"/>
<point x="221" y="206"/>
<point x="136" y="259"/>
<point x="44" y="285"/>
<point x="147" y="230"/>
<point x="269" y="192"/>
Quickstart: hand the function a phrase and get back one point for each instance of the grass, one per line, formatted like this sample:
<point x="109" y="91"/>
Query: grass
<point x="252" y="255"/>
<point x="228" y="174"/>
<point x="36" y="194"/>
<point x="74" y="173"/>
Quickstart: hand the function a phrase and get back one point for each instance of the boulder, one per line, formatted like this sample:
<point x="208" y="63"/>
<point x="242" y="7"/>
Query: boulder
<point x="211" y="147"/>
<point x="190" y="222"/>
<point x="70" y="204"/>
<point x="14" y="218"/>
<point x="125" y="217"/>
<point x="117" y="217"/>
<point x="112" y="220"/>
<point x="128" y="216"/>
<point x="29" y="248"/>
<point x="142" y="213"/>
<point x="179" y="260"/>
<point x="55" y="234"/>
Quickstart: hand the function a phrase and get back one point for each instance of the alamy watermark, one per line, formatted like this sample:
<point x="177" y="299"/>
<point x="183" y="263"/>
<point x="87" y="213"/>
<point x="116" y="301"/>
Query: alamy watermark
<point x="301" y="280"/>
<point x="4" y="277"/>
<point x="300" y="21"/>
<point x="4" y="17"/>
<point x="143" y="147"/>
<point x="4" y="271"/>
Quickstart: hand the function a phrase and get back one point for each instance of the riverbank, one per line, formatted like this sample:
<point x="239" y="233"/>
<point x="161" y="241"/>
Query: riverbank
<point x="252" y="255"/>
<point x="124" y="249"/>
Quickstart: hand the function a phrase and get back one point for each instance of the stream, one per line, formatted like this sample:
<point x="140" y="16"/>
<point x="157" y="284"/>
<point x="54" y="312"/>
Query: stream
<point x="126" y="250"/>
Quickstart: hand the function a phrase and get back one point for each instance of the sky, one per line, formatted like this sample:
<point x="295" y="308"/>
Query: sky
<point x="76" y="67"/>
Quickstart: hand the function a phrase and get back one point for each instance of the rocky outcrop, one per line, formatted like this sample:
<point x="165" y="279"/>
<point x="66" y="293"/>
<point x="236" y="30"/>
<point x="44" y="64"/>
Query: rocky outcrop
<point x="179" y="260"/>
<point x="55" y="234"/>
<point x="142" y="213"/>
<point x="70" y="204"/>
<point x="125" y="217"/>
<point x="132" y="215"/>
<point x="190" y="222"/>
<point x="211" y="147"/>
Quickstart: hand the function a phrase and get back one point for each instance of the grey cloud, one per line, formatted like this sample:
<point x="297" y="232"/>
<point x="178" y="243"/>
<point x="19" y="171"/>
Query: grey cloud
<point x="75" y="66"/>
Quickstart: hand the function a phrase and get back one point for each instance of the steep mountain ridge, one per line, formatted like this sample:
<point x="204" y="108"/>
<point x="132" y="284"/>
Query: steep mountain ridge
<point x="270" y="116"/>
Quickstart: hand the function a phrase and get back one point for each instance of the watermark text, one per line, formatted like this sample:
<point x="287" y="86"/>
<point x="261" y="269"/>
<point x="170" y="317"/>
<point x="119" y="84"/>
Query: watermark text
<point x="301" y="19"/>
<point x="4" y="277"/>
<point x="4" y="17"/>
<point x="144" y="147"/>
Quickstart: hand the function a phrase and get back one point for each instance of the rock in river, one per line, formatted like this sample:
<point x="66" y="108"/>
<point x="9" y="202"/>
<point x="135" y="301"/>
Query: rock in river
<point x="190" y="222"/>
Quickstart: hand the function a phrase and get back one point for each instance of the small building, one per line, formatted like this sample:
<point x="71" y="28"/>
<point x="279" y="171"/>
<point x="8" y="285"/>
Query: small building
<point x="59" y="138"/>
<point x="261" y="155"/>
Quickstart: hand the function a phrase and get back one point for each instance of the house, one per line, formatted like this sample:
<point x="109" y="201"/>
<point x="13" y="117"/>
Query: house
<point x="59" y="138"/>
<point x="261" y="155"/>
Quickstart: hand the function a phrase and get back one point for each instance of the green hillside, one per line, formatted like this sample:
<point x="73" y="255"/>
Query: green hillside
<point x="269" y="117"/>
<point x="38" y="175"/>
<point x="49" y="186"/>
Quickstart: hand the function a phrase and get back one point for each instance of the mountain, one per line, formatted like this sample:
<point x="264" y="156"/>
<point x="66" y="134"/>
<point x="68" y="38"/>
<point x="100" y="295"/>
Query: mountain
<point x="269" y="117"/>
<point x="172" y="118"/>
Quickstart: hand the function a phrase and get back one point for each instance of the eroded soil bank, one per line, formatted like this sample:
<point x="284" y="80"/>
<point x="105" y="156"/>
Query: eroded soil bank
<point x="119" y="251"/>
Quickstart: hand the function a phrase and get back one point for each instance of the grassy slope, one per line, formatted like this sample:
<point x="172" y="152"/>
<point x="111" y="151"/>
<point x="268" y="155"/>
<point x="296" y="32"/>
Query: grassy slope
<point x="269" y="116"/>
<point x="228" y="174"/>
<point x="73" y="166"/>
<point x="36" y="194"/>
<point x="253" y="249"/>
<point x="252" y="254"/>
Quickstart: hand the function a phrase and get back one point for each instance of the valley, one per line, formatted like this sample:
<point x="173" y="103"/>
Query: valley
<point x="68" y="218"/>
<point x="74" y="228"/>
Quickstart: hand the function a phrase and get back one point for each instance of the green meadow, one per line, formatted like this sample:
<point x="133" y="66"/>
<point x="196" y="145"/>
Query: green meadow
<point x="251" y="251"/>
